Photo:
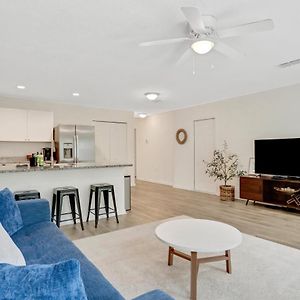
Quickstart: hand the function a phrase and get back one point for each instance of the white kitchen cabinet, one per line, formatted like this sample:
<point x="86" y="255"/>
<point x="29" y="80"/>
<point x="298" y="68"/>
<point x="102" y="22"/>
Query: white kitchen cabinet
<point x="111" y="142"/>
<point x="102" y="143"/>
<point x="13" y="125"/>
<point x="18" y="125"/>
<point x="118" y="143"/>
<point x="39" y="126"/>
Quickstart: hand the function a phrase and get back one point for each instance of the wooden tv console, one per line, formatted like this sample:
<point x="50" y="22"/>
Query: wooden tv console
<point x="268" y="190"/>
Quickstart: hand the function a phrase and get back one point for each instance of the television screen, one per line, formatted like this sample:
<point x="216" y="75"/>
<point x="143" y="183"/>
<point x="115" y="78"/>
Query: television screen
<point x="277" y="157"/>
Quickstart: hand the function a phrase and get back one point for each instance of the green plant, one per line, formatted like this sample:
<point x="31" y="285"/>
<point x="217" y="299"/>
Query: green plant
<point x="224" y="165"/>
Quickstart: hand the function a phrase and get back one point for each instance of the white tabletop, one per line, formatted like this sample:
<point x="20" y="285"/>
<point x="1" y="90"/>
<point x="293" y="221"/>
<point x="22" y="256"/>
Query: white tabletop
<point x="199" y="235"/>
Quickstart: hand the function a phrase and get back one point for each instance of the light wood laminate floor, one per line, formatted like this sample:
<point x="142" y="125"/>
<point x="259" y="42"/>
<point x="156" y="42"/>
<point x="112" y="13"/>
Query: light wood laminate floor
<point x="152" y="202"/>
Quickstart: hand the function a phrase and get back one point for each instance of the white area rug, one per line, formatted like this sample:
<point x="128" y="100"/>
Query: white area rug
<point x="135" y="261"/>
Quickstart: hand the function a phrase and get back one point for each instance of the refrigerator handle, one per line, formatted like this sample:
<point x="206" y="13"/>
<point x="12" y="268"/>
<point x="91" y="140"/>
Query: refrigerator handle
<point x="74" y="149"/>
<point x="77" y="154"/>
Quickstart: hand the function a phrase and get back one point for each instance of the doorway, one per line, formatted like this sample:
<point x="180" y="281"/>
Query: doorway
<point x="204" y="139"/>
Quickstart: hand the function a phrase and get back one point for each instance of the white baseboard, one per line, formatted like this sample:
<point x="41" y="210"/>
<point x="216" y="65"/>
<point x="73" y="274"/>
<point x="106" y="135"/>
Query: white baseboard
<point x="156" y="181"/>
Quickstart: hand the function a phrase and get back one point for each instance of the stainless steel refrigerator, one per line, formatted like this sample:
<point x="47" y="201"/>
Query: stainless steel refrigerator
<point x="74" y="143"/>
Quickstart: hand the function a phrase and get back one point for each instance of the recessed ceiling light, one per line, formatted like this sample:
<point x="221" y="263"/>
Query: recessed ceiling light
<point x="152" y="96"/>
<point x="140" y="115"/>
<point x="76" y="94"/>
<point x="203" y="46"/>
<point x="21" y="87"/>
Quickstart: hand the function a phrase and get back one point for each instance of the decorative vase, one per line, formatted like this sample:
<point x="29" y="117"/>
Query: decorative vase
<point x="226" y="192"/>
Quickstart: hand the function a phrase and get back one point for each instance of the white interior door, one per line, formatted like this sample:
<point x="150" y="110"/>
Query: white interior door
<point x="204" y="148"/>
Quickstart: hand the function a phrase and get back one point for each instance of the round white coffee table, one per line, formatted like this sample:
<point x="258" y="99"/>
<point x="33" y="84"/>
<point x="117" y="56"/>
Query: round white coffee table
<point x="198" y="235"/>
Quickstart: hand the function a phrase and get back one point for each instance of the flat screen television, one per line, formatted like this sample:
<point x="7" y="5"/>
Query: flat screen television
<point x="279" y="157"/>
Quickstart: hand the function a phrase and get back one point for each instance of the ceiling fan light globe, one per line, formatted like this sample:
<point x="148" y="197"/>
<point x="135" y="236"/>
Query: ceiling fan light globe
<point x="203" y="46"/>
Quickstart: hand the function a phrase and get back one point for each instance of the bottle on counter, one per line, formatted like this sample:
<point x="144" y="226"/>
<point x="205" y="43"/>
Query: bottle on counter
<point x="37" y="155"/>
<point x="32" y="160"/>
<point x="41" y="161"/>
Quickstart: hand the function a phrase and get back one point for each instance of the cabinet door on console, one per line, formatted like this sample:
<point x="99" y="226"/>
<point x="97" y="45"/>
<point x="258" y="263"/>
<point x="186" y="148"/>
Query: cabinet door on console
<point x="251" y="188"/>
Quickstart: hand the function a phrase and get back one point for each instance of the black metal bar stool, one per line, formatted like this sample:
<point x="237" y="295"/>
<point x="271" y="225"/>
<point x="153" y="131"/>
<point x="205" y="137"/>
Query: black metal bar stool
<point x="27" y="195"/>
<point x="104" y="188"/>
<point x="57" y="202"/>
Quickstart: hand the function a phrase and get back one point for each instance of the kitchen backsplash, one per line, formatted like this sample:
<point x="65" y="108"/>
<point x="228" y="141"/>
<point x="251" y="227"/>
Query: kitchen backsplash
<point x="13" y="159"/>
<point x="11" y="152"/>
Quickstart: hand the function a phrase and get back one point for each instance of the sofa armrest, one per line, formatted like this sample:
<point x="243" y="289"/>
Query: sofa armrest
<point x="34" y="211"/>
<point x="154" y="295"/>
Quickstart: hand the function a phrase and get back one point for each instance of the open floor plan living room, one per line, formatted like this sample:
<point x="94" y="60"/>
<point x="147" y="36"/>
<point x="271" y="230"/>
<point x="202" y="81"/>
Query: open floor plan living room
<point x="149" y="150"/>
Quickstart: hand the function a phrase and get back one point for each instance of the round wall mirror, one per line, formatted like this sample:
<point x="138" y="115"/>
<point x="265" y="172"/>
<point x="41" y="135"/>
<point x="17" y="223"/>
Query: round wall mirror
<point x="181" y="136"/>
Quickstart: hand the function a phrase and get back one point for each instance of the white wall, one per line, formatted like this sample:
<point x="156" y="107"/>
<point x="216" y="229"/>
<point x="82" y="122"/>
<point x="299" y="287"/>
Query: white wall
<point x="239" y="121"/>
<point x="73" y="114"/>
<point x="155" y="148"/>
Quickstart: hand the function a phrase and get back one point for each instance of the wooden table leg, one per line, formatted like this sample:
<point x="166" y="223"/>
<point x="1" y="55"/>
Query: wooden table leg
<point x="228" y="261"/>
<point x="194" y="275"/>
<point x="170" y="256"/>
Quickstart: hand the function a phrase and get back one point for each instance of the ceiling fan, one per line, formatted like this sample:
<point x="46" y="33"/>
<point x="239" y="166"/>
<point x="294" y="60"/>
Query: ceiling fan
<point x="204" y="36"/>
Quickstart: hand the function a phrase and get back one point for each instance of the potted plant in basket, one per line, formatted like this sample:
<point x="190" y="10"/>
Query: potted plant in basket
<point x="224" y="167"/>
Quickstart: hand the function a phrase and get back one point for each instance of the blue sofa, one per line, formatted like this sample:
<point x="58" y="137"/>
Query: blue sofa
<point x="41" y="242"/>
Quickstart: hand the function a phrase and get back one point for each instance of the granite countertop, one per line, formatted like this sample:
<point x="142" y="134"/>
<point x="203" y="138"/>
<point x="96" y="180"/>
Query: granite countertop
<point x="59" y="167"/>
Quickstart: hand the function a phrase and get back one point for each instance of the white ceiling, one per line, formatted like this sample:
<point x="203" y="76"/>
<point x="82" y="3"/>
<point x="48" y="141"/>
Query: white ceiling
<point x="57" y="47"/>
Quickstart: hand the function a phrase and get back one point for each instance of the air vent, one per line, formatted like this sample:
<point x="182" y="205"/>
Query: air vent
<point x="290" y="63"/>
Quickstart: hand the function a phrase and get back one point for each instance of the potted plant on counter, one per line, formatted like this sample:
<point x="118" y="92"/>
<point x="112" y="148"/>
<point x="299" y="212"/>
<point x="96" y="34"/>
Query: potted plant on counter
<point x="224" y="167"/>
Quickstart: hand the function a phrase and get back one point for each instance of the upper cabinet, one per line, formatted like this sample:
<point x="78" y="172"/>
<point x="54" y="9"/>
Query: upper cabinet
<point x="17" y="125"/>
<point x="13" y="125"/>
<point x="39" y="126"/>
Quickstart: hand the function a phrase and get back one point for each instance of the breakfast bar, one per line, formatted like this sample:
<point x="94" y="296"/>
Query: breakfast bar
<point x="80" y="175"/>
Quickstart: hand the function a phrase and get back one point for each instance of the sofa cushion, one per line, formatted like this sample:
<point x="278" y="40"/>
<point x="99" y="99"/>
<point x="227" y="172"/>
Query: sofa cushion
<point x="44" y="243"/>
<point x="154" y="295"/>
<point x="53" y="282"/>
<point x="9" y="252"/>
<point x="10" y="215"/>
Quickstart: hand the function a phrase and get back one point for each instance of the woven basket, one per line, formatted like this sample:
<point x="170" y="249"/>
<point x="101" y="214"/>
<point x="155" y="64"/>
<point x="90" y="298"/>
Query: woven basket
<point x="227" y="192"/>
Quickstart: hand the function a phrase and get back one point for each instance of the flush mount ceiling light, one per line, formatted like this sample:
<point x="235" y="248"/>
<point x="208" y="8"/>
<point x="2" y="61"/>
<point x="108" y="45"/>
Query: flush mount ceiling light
<point x="21" y="87"/>
<point x="76" y="94"/>
<point x="202" y="46"/>
<point x="140" y="115"/>
<point x="152" y="96"/>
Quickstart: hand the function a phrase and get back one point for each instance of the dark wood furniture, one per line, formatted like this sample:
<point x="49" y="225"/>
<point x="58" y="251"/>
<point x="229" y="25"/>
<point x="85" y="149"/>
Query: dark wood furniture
<point x="265" y="189"/>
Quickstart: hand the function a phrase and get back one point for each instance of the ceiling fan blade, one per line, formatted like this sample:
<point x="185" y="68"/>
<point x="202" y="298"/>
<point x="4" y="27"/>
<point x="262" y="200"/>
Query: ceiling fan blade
<point x="227" y="51"/>
<point x="185" y="56"/>
<point x="193" y="16"/>
<point x="262" y="25"/>
<point x="163" y="42"/>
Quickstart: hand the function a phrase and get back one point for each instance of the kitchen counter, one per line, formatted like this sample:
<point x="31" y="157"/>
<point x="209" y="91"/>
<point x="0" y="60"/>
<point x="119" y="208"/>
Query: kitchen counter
<point x="59" y="167"/>
<point x="79" y="175"/>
